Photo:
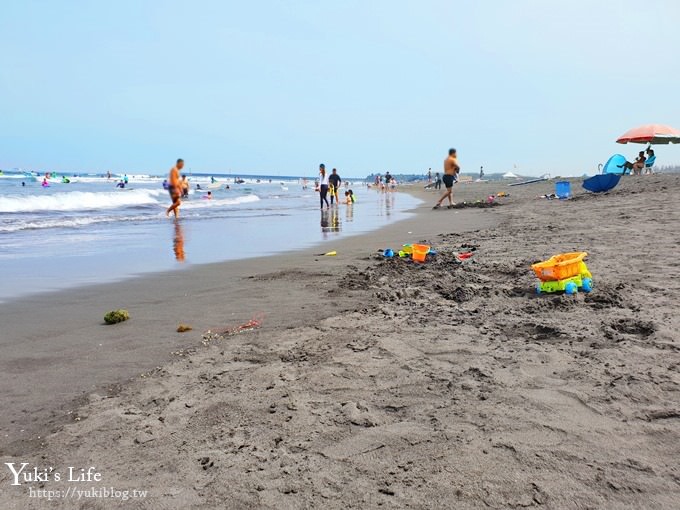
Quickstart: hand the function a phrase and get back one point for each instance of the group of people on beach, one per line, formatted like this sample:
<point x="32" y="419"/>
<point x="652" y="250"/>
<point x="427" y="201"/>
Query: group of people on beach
<point x="388" y="183"/>
<point x="329" y="184"/>
<point x="436" y="183"/>
<point x="641" y="163"/>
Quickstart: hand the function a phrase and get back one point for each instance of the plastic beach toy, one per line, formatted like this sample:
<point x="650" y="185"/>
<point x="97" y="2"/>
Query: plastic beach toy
<point x="389" y="253"/>
<point x="565" y="272"/>
<point x="563" y="189"/>
<point x="420" y="252"/>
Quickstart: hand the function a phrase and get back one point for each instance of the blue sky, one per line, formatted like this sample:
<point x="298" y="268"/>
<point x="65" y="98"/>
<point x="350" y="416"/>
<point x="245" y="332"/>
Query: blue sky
<point x="280" y="86"/>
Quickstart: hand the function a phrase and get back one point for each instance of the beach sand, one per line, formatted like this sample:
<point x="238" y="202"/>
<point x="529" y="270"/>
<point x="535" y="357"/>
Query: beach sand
<point x="373" y="383"/>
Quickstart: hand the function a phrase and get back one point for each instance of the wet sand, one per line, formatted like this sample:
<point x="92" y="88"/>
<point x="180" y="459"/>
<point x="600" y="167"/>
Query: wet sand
<point x="373" y="382"/>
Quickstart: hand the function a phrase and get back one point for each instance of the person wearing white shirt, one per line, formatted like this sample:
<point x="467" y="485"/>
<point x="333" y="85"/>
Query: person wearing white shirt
<point x="323" y="186"/>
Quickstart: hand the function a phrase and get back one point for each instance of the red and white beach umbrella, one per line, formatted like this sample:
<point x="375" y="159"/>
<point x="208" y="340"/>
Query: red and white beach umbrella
<point x="651" y="133"/>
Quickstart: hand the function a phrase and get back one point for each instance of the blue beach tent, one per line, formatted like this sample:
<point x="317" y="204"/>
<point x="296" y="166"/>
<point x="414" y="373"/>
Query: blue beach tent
<point x="615" y="165"/>
<point x="610" y="176"/>
<point x="601" y="183"/>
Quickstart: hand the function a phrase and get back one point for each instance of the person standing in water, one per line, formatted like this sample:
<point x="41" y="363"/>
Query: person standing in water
<point x="388" y="179"/>
<point x="451" y="170"/>
<point x="185" y="186"/>
<point x="334" y="181"/>
<point x="323" y="186"/>
<point x="175" y="188"/>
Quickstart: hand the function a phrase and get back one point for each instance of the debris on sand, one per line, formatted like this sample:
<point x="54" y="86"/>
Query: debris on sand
<point x="252" y="324"/>
<point x="116" y="316"/>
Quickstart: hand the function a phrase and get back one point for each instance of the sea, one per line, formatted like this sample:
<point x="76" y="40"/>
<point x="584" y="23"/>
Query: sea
<point x="56" y="234"/>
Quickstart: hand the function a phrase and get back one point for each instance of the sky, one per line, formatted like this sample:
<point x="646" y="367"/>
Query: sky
<point x="277" y="87"/>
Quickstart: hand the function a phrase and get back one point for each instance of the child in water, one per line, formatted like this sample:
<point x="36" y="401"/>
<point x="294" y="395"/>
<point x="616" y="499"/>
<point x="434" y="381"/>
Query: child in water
<point x="208" y="196"/>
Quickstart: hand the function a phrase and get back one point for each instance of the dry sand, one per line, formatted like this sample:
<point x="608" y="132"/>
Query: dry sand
<point x="377" y="382"/>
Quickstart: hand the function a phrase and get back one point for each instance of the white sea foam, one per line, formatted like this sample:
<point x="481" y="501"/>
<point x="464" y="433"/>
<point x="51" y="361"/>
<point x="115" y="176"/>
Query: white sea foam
<point x="81" y="209"/>
<point x="79" y="201"/>
<point x="68" y="222"/>
<point x="199" y="203"/>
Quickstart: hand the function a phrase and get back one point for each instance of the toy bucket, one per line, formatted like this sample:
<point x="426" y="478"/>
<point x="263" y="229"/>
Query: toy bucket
<point x="561" y="267"/>
<point x="420" y="252"/>
<point x="563" y="189"/>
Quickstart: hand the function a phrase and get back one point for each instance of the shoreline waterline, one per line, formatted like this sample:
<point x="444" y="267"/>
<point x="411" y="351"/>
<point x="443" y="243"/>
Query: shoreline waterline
<point x="206" y="296"/>
<point x="133" y="246"/>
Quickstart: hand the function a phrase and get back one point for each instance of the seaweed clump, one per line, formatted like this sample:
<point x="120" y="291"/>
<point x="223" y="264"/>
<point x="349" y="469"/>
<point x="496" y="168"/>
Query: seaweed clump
<point x="116" y="316"/>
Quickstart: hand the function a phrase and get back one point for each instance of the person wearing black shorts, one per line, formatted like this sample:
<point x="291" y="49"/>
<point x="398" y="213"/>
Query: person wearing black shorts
<point x="451" y="170"/>
<point x="175" y="188"/>
<point x="334" y="181"/>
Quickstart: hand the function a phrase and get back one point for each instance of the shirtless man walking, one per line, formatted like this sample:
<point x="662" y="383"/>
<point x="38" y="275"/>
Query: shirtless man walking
<point x="451" y="170"/>
<point x="175" y="188"/>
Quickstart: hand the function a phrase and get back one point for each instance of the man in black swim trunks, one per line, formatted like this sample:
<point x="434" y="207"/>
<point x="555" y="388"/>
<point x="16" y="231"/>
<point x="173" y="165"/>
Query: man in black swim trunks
<point x="451" y="170"/>
<point x="175" y="188"/>
<point x="334" y="181"/>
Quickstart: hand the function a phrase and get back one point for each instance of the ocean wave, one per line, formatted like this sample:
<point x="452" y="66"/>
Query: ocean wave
<point x="79" y="201"/>
<point x="67" y="222"/>
<point x="218" y="202"/>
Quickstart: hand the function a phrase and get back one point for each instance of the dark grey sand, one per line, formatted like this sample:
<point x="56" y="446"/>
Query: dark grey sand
<point x="373" y="383"/>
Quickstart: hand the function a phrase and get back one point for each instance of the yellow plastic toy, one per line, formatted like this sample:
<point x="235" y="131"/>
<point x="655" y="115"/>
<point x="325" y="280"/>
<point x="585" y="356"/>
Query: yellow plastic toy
<point x="566" y="272"/>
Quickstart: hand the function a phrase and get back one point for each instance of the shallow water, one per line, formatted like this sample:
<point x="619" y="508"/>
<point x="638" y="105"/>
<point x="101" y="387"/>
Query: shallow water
<point x="67" y="235"/>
